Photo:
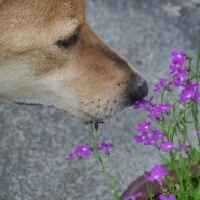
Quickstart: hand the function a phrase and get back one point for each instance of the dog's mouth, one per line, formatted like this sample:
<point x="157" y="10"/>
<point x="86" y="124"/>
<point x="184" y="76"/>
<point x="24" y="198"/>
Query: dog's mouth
<point x="98" y="109"/>
<point x="100" y="112"/>
<point x="109" y="108"/>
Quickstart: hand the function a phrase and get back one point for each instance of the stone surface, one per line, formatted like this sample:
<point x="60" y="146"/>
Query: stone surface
<point x="34" y="141"/>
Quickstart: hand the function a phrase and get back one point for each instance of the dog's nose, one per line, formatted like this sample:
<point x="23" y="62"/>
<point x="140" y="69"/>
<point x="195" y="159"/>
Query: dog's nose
<point x="140" y="92"/>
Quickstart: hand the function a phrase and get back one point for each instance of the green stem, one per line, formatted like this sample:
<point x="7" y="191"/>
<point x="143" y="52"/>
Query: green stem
<point x="95" y="143"/>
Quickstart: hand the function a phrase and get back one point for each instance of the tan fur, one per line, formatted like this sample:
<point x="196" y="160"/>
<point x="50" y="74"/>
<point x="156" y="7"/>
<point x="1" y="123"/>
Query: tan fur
<point x="88" y="80"/>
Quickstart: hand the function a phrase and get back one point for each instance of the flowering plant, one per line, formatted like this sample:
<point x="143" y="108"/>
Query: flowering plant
<point x="168" y="127"/>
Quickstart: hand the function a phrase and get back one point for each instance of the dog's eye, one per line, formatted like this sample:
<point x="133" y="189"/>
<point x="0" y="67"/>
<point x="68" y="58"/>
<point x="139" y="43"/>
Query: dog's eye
<point x="68" y="42"/>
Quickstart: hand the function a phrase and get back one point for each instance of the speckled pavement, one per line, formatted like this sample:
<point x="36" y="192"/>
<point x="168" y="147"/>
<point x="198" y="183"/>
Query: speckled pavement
<point x="34" y="141"/>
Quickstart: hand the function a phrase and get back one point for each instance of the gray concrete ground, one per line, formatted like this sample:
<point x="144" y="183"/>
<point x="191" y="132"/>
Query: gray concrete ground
<point x="34" y="141"/>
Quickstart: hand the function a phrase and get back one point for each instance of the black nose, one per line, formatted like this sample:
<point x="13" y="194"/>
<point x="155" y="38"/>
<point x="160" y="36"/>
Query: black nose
<point x="140" y="91"/>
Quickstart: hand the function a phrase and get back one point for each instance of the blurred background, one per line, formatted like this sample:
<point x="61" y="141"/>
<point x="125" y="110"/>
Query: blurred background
<point x="34" y="140"/>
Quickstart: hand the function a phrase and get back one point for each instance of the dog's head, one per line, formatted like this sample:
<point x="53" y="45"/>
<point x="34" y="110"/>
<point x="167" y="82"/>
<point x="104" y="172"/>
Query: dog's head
<point x="49" y="55"/>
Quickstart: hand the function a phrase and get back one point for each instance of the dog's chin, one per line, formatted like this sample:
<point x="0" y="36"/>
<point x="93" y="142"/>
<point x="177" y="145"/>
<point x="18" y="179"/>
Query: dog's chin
<point x="100" y="113"/>
<point x="94" y="112"/>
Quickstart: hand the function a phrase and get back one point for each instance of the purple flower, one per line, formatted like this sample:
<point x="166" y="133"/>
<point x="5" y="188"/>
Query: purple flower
<point x="180" y="79"/>
<point x="73" y="155"/>
<point x="178" y="57"/>
<point x="85" y="150"/>
<point x="165" y="107"/>
<point x="170" y="197"/>
<point x="80" y="152"/>
<point x="141" y="138"/>
<point x="105" y="147"/>
<point x="140" y="104"/>
<point x="159" y="135"/>
<point x="160" y="85"/>
<point x="167" y="146"/>
<point x="178" y="54"/>
<point x="138" y="194"/>
<point x="144" y="127"/>
<point x="193" y="85"/>
<point x="187" y="95"/>
<point x="151" y="141"/>
<point x="155" y="112"/>
<point x="144" y="103"/>
<point x="157" y="173"/>
<point x="190" y="93"/>
<point x="175" y="68"/>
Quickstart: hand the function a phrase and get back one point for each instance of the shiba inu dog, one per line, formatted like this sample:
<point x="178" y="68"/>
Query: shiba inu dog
<point x="49" y="55"/>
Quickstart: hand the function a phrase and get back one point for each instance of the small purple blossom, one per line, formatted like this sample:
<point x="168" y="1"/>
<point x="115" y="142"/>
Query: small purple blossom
<point x="80" y="152"/>
<point x="160" y="85"/>
<point x="155" y="139"/>
<point x="144" y="126"/>
<point x="155" y="113"/>
<point x="85" y="150"/>
<point x="140" y="104"/>
<point x="106" y="147"/>
<point x="167" y="146"/>
<point x="144" y="103"/>
<point x="178" y="54"/>
<point x="190" y="93"/>
<point x="159" y="135"/>
<point x="157" y="173"/>
<point x="151" y="141"/>
<point x="73" y="155"/>
<point x="166" y="107"/>
<point x="187" y="95"/>
<point x="138" y="194"/>
<point x="175" y="68"/>
<point x="180" y="79"/>
<point x="193" y="85"/>
<point x="179" y="57"/>
<point x="170" y="197"/>
<point x="141" y="138"/>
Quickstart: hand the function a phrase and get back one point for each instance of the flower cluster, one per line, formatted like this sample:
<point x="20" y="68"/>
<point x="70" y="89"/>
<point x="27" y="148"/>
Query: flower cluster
<point x="155" y="111"/>
<point x="86" y="150"/>
<point x="181" y="77"/>
<point x="151" y="136"/>
<point x="173" y="120"/>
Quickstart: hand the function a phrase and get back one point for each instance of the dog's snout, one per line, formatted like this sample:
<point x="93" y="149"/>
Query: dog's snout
<point x="140" y="91"/>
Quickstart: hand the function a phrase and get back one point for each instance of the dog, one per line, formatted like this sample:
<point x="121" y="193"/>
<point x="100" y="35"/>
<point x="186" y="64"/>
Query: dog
<point x="50" y="56"/>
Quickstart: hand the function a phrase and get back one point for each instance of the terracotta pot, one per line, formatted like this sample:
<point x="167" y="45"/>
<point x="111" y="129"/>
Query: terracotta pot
<point x="141" y="185"/>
